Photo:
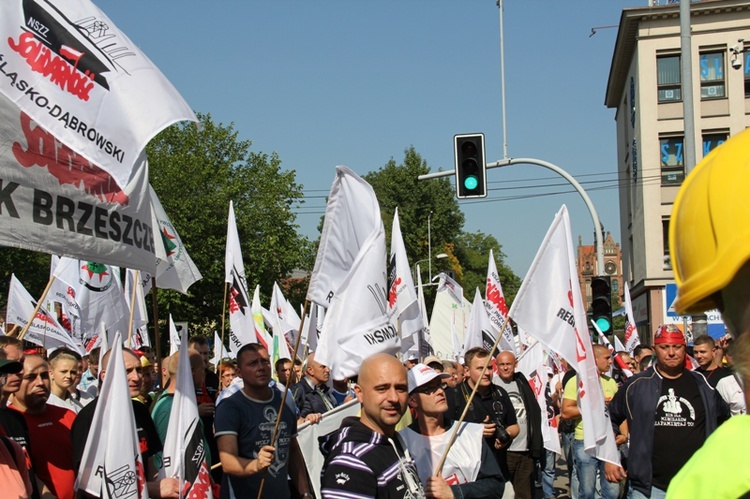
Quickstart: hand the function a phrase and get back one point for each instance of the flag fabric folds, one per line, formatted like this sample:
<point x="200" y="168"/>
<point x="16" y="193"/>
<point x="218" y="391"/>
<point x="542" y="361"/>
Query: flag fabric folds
<point x="44" y="330"/>
<point x="403" y="305"/>
<point x="174" y="267"/>
<point x="56" y="201"/>
<point x="632" y="339"/>
<point x="240" y="323"/>
<point x="351" y="213"/>
<point x="479" y="330"/>
<point x="549" y="307"/>
<point x="447" y="318"/>
<point x="174" y="337"/>
<point x="91" y="86"/>
<point x="184" y="453"/>
<point x="220" y="351"/>
<point x="357" y="324"/>
<point x="112" y="451"/>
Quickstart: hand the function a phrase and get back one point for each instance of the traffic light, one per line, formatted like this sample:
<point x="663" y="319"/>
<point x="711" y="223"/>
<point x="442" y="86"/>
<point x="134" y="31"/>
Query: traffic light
<point x="601" y="303"/>
<point x="471" y="176"/>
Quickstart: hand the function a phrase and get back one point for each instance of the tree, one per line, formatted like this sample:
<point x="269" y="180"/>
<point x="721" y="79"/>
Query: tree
<point x="195" y="174"/>
<point x="30" y="267"/>
<point x="472" y="249"/>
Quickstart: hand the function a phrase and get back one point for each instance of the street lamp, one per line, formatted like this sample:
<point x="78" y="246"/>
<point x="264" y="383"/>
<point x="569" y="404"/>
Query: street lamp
<point x="439" y="256"/>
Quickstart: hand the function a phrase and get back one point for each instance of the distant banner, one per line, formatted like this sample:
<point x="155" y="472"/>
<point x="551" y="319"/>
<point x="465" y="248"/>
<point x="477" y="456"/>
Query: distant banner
<point x="55" y="201"/>
<point x="70" y="68"/>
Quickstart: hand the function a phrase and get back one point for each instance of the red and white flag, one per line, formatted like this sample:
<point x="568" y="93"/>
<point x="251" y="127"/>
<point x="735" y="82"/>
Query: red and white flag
<point x="632" y="339"/>
<point x="44" y="330"/>
<point x="403" y="305"/>
<point x="111" y="466"/>
<point x="240" y="315"/>
<point x="532" y="363"/>
<point x="81" y="78"/>
<point x="497" y="309"/>
<point x="174" y="267"/>
<point x="357" y="324"/>
<point x="549" y="307"/>
<point x="479" y="331"/>
<point x="185" y="456"/>
<point x="352" y="213"/>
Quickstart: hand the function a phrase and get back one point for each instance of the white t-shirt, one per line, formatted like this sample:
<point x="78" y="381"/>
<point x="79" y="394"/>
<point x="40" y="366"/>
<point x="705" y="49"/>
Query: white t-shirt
<point x="731" y="391"/>
<point x="520" y="443"/>
<point x="464" y="457"/>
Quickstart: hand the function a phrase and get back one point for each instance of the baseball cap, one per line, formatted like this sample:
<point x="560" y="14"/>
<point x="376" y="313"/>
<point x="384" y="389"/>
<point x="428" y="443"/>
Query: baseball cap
<point x="422" y="374"/>
<point x="431" y="358"/>
<point x="10" y="366"/>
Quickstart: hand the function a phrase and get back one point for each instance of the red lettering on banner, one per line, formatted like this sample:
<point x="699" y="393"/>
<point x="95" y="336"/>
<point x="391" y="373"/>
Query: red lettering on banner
<point x="392" y="294"/>
<point x="495" y="297"/>
<point x="50" y="65"/>
<point x="233" y="305"/>
<point x="199" y="489"/>
<point x="581" y="391"/>
<point x="67" y="166"/>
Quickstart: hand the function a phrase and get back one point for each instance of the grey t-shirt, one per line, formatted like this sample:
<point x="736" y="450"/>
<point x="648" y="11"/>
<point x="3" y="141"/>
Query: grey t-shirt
<point x="520" y="443"/>
<point x="253" y="421"/>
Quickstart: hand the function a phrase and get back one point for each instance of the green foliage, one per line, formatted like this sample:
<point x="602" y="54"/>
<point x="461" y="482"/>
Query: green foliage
<point x="30" y="267"/>
<point x="195" y="174"/>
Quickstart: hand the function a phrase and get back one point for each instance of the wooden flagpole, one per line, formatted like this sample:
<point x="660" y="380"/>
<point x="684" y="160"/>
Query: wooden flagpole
<point x="457" y="425"/>
<point x="36" y="309"/>
<point x="224" y="312"/>
<point x="136" y="278"/>
<point x="156" y="325"/>
<point x="284" y="393"/>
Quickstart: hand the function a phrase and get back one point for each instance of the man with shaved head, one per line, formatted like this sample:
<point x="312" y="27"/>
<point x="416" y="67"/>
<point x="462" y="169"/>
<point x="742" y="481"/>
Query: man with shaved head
<point x="368" y="458"/>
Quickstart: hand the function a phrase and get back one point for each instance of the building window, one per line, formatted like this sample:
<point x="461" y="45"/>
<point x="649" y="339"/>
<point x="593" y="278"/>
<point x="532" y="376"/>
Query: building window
<point x="615" y="287"/>
<point x="746" y="68"/>
<point x="712" y="140"/>
<point x="668" y="71"/>
<point x="672" y="160"/>
<point x="712" y="75"/>
<point x="665" y="237"/>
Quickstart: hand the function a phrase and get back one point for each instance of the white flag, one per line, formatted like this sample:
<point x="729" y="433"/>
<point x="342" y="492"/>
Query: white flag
<point x="425" y="341"/>
<point x="44" y="331"/>
<point x="240" y="319"/>
<point x="140" y="316"/>
<point x="532" y="364"/>
<point x="479" y="330"/>
<point x="82" y="79"/>
<point x="632" y="339"/>
<point x="403" y="305"/>
<point x="174" y="337"/>
<point x="174" y="267"/>
<point x="220" y="351"/>
<point x="356" y="324"/>
<point x="98" y="292"/>
<point x="184" y="452"/>
<point x="549" y="307"/>
<point x="314" y="325"/>
<point x="56" y="201"/>
<point x="497" y="309"/>
<point x="619" y="347"/>
<point x="352" y="213"/>
<point x="111" y="466"/>
<point x="278" y="310"/>
<point x="447" y="313"/>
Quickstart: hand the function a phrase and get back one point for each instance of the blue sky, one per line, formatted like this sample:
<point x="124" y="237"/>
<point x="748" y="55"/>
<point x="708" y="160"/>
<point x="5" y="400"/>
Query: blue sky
<point x="350" y="82"/>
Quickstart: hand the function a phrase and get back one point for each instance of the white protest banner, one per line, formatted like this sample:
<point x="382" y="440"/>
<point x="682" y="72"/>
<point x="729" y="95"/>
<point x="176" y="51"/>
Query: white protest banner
<point x="55" y="201"/>
<point x="68" y="67"/>
<point x="352" y="212"/>
<point x="632" y="339"/>
<point x="447" y="318"/>
<point x="240" y="321"/>
<point x="44" y="330"/>
<point x="403" y="305"/>
<point x="478" y="329"/>
<point x="549" y="307"/>
<point x="111" y="466"/>
<point x="174" y="267"/>
<point x="497" y="309"/>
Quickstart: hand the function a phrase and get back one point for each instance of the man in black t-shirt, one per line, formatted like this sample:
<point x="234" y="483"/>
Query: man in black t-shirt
<point x="491" y="405"/>
<point x="670" y="412"/>
<point x="148" y="437"/>
<point x="704" y="351"/>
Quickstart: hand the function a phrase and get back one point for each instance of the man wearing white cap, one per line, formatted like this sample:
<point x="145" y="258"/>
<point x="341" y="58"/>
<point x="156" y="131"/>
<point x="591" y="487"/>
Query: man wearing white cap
<point x="470" y="469"/>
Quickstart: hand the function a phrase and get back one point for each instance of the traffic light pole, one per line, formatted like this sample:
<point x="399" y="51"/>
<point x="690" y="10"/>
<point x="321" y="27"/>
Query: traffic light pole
<point x="598" y="233"/>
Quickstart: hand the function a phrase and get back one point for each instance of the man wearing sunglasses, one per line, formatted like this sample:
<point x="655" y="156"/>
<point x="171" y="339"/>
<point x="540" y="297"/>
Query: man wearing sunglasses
<point x="470" y="469"/>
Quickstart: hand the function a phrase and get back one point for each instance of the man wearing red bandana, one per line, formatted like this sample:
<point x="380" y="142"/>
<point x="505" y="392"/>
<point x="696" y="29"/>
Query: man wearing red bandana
<point x="670" y="412"/>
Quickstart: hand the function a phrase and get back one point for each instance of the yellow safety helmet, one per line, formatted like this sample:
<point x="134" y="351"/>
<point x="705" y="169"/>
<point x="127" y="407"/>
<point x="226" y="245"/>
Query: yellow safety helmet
<point x="709" y="232"/>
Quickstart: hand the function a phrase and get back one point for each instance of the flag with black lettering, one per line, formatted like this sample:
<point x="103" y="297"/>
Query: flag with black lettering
<point x="479" y="332"/>
<point x="549" y="307"/>
<point x="351" y="213"/>
<point x="240" y="317"/>
<point x="403" y="305"/>
<point x="185" y="455"/>
<point x="54" y="200"/>
<point x="111" y="466"/>
<point x="73" y="71"/>
<point x="357" y="323"/>
<point x="44" y="330"/>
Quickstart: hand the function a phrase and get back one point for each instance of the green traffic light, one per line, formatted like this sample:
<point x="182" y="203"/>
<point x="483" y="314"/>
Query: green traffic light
<point x="471" y="182"/>
<point x="603" y="324"/>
